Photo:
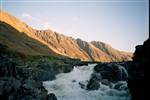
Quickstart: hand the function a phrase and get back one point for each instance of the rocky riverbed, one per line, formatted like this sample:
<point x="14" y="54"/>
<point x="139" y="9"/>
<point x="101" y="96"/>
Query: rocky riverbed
<point x="84" y="83"/>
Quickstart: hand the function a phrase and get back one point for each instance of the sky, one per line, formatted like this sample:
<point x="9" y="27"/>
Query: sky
<point x="123" y="24"/>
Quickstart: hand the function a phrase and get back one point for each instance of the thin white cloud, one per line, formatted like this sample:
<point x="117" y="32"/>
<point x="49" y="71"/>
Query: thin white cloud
<point x="27" y="16"/>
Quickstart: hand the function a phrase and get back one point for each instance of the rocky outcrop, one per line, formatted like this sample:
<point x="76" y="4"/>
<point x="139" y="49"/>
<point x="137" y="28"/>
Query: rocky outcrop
<point x="51" y="96"/>
<point x="113" y="54"/>
<point x="94" y="53"/>
<point x="138" y="80"/>
<point x="112" y="71"/>
<point x="108" y="74"/>
<point x="15" y="87"/>
<point x="22" y="80"/>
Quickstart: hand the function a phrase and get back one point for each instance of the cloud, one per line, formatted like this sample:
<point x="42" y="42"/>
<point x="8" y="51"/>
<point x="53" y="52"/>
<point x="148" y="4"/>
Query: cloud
<point x="27" y="16"/>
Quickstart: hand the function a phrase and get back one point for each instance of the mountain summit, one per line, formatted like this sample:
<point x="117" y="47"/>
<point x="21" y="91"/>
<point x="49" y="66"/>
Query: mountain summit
<point x="22" y="38"/>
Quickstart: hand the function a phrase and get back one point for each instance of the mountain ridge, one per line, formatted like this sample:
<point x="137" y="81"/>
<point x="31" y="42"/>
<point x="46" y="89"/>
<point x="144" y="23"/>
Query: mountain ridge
<point x="59" y="44"/>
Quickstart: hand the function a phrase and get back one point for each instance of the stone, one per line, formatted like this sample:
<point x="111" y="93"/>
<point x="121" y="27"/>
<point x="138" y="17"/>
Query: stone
<point x="82" y="84"/>
<point x="93" y="85"/>
<point x="111" y="71"/>
<point x="96" y="76"/>
<point x="105" y="82"/>
<point x="121" y="85"/>
<point x="51" y="96"/>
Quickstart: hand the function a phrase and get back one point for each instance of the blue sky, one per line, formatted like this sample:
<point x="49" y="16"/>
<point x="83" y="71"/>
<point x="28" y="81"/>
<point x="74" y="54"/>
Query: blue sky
<point x="121" y="23"/>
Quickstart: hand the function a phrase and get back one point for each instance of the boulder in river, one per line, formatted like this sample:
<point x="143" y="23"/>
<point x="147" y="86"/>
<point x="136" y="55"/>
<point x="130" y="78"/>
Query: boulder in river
<point x="96" y="76"/>
<point x="112" y="71"/>
<point x="51" y="96"/>
<point x="93" y="85"/>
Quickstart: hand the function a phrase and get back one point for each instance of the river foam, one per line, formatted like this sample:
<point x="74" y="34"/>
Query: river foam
<point x="66" y="87"/>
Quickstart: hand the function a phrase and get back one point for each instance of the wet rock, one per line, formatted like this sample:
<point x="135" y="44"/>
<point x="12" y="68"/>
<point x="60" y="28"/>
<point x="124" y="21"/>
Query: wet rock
<point x="93" y="85"/>
<point x="51" y="96"/>
<point x="121" y="85"/>
<point x="96" y="76"/>
<point x="73" y="81"/>
<point x="106" y="82"/>
<point x="138" y="80"/>
<point x="111" y="71"/>
<point x="82" y="84"/>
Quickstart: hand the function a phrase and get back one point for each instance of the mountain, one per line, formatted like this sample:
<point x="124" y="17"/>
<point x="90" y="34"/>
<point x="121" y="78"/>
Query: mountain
<point x="22" y="38"/>
<point x="113" y="54"/>
<point x="19" y="37"/>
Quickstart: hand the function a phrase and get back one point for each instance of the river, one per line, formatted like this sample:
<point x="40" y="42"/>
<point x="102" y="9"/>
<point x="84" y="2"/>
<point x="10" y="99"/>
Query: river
<point x="66" y="86"/>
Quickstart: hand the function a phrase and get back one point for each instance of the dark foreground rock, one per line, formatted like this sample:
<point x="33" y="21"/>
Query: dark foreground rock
<point x="19" y="84"/>
<point x="138" y="81"/>
<point x="51" y="96"/>
<point x="112" y="71"/>
<point x="21" y="76"/>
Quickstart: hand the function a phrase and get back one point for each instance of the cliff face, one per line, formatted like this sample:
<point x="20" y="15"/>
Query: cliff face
<point x="94" y="53"/>
<point x="113" y="54"/>
<point x="138" y="80"/>
<point x="22" y="38"/>
<point x="62" y="44"/>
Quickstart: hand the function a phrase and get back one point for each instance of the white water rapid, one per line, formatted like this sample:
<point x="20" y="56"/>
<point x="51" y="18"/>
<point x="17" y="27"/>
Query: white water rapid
<point x="66" y="87"/>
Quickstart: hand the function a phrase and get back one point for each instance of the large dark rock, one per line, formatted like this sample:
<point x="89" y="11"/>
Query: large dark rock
<point x="93" y="85"/>
<point x="112" y="71"/>
<point x="96" y="76"/>
<point x="21" y="83"/>
<point x="138" y="80"/>
<point x="51" y="96"/>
